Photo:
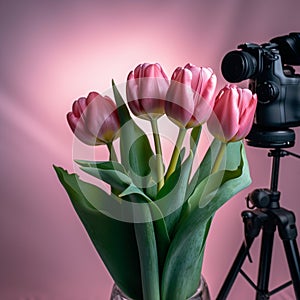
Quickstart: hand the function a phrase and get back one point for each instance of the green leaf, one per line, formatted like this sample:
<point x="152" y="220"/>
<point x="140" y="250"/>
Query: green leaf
<point x="183" y="266"/>
<point x="184" y="260"/>
<point x="160" y="228"/>
<point x="123" y="111"/>
<point x="105" y="165"/>
<point x="127" y="190"/>
<point x="195" y="137"/>
<point x="148" y="254"/>
<point x="172" y="194"/>
<point x="110" y="172"/>
<point x="114" y="240"/>
<point x="115" y="178"/>
<point x="145" y="237"/>
<point x="204" y="168"/>
<point x="136" y="152"/>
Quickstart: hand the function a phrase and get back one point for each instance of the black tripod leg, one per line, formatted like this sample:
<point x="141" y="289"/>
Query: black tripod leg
<point x="288" y="234"/>
<point x="236" y="267"/>
<point x="265" y="261"/>
<point x="292" y="254"/>
<point x="253" y="221"/>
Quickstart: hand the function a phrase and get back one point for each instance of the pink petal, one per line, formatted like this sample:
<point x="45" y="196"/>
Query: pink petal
<point x="79" y="106"/>
<point x="227" y="113"/>
<point x="97" y="112"/>
<point x="180" y="103"/>
<point x="72" y="120"/>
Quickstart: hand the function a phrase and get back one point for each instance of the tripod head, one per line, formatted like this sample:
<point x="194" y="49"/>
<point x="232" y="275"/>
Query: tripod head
<point x="270" y="138"/>
<point x="263" y="198"/>
<point x="269" y="198"/>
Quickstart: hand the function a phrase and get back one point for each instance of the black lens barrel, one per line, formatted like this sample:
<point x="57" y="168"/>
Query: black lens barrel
<point x="238" y="66"/>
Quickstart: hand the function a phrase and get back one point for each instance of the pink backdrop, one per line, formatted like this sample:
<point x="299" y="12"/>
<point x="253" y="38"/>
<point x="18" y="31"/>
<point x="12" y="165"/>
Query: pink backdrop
<point x="51" y="53"/>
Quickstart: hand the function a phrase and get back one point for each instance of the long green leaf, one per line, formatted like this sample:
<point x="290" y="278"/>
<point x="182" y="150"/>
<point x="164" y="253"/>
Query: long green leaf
<point x="172" y="195"/>
<point x="114" y="174"/>
<point x="116" y="179"/>
<point x="143" y="231"/>
<point x="144" y="213"/>
<point x="136" y="152"/>
<point x="204" y="168"/>
<point x="110" y="172"/>
<point x="195" y="137"/>
<point x="184" y="260"/>
<point x="114" y="240"/>
<point x="148" y="254"/>
<point x="105" y="165"/>
<point x="161" y="232"/>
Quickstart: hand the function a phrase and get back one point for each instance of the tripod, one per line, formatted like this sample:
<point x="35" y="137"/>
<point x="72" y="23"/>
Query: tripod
<point x="266" y="214"/>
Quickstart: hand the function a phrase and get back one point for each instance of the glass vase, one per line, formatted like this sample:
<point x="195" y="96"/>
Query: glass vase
<point x="202" y="293"/>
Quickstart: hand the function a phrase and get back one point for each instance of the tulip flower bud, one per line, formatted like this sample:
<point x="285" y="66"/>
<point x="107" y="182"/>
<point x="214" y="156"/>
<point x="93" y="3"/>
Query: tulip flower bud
<point x="94" y="120"/>
<point x="146" y="90"/>
<point x="190" y="97"/>
<point x="233" y="114"/>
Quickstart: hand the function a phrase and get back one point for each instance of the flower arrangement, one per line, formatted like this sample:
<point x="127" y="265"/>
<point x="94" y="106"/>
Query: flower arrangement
<point x="150" y="229"/>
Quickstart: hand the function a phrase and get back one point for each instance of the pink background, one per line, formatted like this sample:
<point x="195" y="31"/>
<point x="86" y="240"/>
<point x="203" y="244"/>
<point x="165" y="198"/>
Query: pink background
<point x="51" y="53"/>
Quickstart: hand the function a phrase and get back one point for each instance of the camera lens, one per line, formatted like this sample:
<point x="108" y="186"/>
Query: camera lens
<point x="238" y="66"/>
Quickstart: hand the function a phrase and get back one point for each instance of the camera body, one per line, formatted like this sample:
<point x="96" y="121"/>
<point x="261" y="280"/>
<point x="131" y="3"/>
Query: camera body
<point x="271" y="77"/>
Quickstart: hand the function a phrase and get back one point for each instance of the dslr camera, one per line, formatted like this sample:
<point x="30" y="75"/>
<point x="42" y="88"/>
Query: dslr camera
<point x="271" y="76"/>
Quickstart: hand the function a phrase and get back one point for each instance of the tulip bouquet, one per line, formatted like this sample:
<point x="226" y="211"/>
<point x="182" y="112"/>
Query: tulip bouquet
<point x="150" y="228"/>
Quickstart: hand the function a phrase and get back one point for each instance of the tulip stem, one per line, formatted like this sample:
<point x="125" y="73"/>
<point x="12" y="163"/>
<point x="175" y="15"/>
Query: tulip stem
<point x="176" y="152"/>
<point x="157" y="143"/>
<point x="219" y="158"/>
<point x="112" y="152"/>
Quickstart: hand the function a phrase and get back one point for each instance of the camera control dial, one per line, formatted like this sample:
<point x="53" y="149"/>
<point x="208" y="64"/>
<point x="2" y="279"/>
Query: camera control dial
<point x="267" y="91"/>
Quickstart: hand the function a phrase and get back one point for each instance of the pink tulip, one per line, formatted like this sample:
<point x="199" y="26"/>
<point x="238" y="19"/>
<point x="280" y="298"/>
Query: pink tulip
<point x="146" y="90"/>
<point x="190" y="97"/>
<point x="94" y="120"/>
<point x="233" y="114"/>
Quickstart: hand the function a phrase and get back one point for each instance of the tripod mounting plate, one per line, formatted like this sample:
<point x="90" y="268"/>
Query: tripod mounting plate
<point x="270" y="138"/>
